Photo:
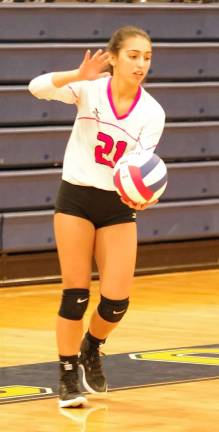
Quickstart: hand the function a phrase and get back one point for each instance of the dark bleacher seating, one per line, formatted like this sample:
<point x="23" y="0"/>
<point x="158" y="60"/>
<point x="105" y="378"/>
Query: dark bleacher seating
<point x="184" y="77"/>
<point x="32" y="146"/>
<point x="28" y="189"/>
<point x="181" y="101"/>
<point x="180" y="221"/>
<point x="33" y="231"/>
<point x="172" y="61"/>
<point x="185" y="141"/>
<point x="36" y="189"/>
<point x="28" y="231"/>
<point x="95" y="22"/>
<point x="44" y="146"/>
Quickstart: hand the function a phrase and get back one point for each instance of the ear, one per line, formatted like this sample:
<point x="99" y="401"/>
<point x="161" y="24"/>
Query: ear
<point x="112" y="59"/>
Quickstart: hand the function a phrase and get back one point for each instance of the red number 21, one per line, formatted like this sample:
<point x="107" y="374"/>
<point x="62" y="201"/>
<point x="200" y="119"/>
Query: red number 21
<point x="101" y="151"/>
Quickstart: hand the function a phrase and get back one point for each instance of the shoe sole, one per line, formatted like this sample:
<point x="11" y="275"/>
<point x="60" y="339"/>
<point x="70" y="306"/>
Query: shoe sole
<point x="80" y="400"/>
<point x="86" y="385"/>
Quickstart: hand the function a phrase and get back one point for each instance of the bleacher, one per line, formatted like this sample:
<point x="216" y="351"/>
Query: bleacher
<point x="182" y="230"/>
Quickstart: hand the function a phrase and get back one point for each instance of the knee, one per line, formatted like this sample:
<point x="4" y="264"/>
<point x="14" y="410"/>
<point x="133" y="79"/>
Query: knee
<point x="74" y="303"/>
<point x="112" y="310"/>
<point x="80" y="278"/>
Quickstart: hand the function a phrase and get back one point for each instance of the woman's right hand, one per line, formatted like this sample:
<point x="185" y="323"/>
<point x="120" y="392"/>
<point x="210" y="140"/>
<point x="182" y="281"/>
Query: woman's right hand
<point x="92" y="65"/>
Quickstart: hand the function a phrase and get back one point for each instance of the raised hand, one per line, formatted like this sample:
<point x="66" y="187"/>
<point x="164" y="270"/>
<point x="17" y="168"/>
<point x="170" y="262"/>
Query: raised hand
<point x="92" y="65"/>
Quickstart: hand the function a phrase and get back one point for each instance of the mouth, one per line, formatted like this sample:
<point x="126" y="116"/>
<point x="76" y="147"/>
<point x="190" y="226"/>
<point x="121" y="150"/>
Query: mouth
<point x="138" y="75"/>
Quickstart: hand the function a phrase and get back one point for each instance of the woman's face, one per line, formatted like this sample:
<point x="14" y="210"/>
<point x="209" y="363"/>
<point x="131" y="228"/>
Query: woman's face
<point x="133" y="60"/>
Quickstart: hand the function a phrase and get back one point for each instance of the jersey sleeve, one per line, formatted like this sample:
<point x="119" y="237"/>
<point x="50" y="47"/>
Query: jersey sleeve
<point x="42" y="87"/>
<point x="152" y="131"/>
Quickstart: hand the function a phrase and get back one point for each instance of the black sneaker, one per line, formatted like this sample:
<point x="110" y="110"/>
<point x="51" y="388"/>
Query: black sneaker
<point x="93" y="378"/>
<point x="69" y="390"/>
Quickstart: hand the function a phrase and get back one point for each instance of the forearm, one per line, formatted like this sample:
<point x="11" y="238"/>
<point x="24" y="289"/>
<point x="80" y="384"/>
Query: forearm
<point x="54" y="86"/>
<point x="59" y="79"/>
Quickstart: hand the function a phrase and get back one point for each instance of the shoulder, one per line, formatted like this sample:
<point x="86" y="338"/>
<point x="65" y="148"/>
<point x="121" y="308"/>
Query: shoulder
<point x="97" y="84"/>
<point x="155" y="108"/>
<point x="87" y="90"/>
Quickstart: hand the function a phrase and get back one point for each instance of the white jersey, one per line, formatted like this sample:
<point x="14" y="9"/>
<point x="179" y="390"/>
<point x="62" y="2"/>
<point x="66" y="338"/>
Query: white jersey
<point x="100" y="136"/>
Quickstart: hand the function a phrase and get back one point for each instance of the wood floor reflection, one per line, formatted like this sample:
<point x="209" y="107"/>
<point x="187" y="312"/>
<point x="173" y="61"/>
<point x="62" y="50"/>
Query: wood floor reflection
<point x="166" y="311"/>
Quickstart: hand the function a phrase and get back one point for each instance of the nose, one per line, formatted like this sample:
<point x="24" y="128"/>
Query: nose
<point x="141" y="61"/>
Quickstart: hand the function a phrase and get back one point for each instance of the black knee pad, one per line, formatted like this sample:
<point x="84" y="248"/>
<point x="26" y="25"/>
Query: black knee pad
<point x="74" y="303"/>
<point x="112" y="310"/>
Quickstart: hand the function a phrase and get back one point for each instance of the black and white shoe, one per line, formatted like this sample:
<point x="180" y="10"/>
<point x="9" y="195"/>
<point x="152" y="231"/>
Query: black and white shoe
<point x="93" y="378"/>
<point x="69" y="391"/>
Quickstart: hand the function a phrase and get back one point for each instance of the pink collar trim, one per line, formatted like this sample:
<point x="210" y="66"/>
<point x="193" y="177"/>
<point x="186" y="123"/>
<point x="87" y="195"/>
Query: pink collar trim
<point x="135" y="101"/>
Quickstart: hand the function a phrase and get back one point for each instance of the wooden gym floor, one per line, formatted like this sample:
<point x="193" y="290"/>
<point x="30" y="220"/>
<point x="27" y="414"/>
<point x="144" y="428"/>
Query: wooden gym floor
<point x="167" y="311"/>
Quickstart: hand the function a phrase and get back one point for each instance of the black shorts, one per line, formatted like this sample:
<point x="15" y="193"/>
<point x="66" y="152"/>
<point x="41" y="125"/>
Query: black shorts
<point x="99" y="206"/>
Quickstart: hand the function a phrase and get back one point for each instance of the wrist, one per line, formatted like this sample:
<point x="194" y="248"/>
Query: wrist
<point x="81" y="75"/>
<point x="59" y="79"/>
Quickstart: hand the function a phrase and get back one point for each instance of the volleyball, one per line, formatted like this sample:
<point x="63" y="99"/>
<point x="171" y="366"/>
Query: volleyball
<point x="140" y="177"/>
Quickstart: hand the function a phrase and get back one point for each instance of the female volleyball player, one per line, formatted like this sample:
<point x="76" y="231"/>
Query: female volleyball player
<point x="115" y="115"/>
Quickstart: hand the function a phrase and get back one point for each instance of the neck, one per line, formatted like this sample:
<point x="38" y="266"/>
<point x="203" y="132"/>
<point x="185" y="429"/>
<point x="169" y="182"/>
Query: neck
<point x="122" y="90"/>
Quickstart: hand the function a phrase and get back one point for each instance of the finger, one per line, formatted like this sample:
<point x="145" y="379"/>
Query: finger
<point x="146" y="205"/>
<point x="104" y="59"/>
<point x="97" y="54"/>
<point x="138" y="207"/>
<point x="105" y="56"/>
<point x="87" y="56"/>
<point x="106" y="62"/>
<point x="124" y="201"/>
<point x="153" y="202"/>
<point x="102" y="75"/>
<point x="129" y="203"/>
<point x="101" y="58"/>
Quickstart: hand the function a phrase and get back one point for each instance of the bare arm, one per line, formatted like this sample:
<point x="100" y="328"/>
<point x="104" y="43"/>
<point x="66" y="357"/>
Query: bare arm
<point x="55" y="86"/>
<point x="90" y="69"/>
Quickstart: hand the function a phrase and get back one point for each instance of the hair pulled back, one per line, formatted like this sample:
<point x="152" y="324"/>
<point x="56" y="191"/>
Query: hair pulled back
<point x="121" y="35"/>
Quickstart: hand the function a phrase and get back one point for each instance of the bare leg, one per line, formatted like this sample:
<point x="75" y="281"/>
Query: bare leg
<point x="75" y="243"/>
<point x="115" y="253"/>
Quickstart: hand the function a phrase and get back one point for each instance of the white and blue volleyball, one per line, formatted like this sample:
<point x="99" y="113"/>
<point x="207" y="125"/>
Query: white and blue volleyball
<point x="140" y="177"/>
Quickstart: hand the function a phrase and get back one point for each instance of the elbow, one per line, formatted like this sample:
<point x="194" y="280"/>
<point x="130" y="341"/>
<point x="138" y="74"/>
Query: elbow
<point x="40" y="87"/>
<point x="32" y="87"/>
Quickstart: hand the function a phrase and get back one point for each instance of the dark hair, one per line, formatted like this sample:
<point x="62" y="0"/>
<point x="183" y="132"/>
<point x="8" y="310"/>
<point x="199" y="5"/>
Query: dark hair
<point x="121" y="35"/>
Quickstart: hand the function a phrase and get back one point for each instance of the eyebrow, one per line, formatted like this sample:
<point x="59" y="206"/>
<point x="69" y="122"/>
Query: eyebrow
<point x="138" y="51"/>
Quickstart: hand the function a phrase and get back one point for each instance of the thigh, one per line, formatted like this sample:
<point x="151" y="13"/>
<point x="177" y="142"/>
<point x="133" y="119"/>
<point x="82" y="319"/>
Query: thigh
<point x="75" y="243"/>
<point x="115" y="253"/>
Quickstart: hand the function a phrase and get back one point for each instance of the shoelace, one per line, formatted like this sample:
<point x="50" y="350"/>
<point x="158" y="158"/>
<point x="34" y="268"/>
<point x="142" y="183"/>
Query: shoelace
<point x="94" y="358"/>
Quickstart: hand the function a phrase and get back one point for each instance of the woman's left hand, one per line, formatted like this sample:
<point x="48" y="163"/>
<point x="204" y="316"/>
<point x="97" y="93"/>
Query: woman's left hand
<point x="137" y="206"/>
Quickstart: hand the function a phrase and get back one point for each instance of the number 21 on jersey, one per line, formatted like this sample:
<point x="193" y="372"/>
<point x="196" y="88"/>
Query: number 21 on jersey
<point x="102" y="152"/>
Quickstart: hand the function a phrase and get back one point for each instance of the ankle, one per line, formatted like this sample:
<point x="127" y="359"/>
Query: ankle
<point x="68" y="363"/>
<point x="94" y="341"/>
